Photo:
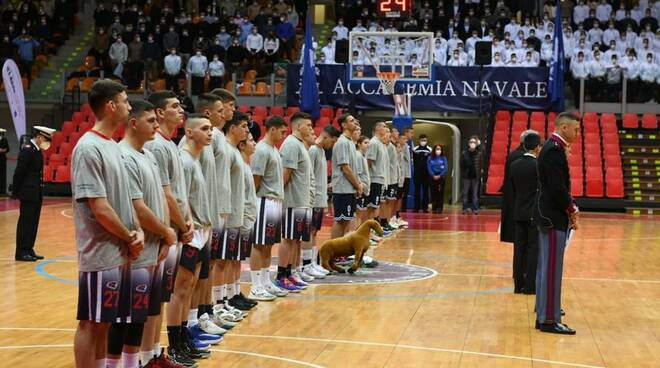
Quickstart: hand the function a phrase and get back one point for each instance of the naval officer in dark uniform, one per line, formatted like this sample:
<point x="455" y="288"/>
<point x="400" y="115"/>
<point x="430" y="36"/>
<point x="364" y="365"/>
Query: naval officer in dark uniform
<point x="4" y="148"/>
<point x="523" y="183"/>
<point x="557" y="215"/>
<point x="27" y="186"/>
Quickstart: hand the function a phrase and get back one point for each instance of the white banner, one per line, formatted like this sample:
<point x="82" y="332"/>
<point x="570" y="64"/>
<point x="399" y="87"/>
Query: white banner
<point x="14" y="89"/>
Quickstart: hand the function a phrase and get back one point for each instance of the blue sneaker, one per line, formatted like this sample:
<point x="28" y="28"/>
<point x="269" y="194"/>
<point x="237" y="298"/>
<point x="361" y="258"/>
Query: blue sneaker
<point x="196" y="333"/>
<point x="201" y="345"/>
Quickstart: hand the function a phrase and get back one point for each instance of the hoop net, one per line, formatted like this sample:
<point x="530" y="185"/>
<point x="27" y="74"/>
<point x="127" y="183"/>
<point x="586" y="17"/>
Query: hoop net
<point x="388" y="81"/>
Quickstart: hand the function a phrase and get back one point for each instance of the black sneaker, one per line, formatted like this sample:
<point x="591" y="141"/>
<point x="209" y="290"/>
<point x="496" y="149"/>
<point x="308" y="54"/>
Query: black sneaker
<point x="179" y="356"/>
<point x="239" y="304"/>
<point x="192" y="351"/>
<point x="247" y="300"/>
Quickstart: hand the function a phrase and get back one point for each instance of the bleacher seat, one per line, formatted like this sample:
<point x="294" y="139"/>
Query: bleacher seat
<point x="501" y="136"/>
<point x="577" y="187"/>
<point x="520" y="116"/>
<point x="49" y="173"/>
<point x="74" y="137"/>
<point x="58" y="138"/>
<point x="261" y="89"/>
<point x="277" y="110"/>
<point x="323" y="121"/>
<point x="68" y="127"/>
<point x="614" y="187"/>
<point x="260" y="120"/>
<point x="503" y="115"/>
<point x="650" y="121"/>
<point x="497" y="158"/>
<point x="610" y="138"/>
<point x="502" y="126"/>
<point x="85" y="126"/>
<point x="65" y="149"/>
<point x="609" y="127"/>
<point x="62" y="174"/>
<point x="630" y="121"/>
<point x="291" y="110"/>
<point x="611" y="149"/>
<point x="56" y="160"/>
<point x="244" y="109"/>
<point x="494" y="184"/>
<point x="260" y="111"/>
<point x="590" y="118"/>
<point x="327" y="112"/>
<point x="607" y="118"/>
<point x="612" y="161"/>
<point x="245" y="89"/>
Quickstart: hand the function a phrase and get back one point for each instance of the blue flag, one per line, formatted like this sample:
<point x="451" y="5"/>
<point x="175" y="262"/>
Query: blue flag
<point x="556" y="76"/>
<point x="309" y="90"/>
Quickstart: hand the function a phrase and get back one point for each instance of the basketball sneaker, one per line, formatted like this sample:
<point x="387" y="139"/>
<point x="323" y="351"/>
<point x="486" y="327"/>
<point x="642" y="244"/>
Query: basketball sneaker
<point x="234" y="311"/>
<point x="162" y="361"/>
<point x="246" y="300"/>
<point x="296" y="280"/>
<point x="260" y="294"/>
<point x="209" y="327"/>
<point x="305" y="277"/>
<point x="179" y="356"/>
<point x="286" y="284"/>
<point x="221" y="313"/>
<point x="320" y="268"/>
<point x="190" y="347"/>
<point x="313" y="272"/>
<point x="222" y="322"/>
<point x="275" y="290"/>
<point x="197" y="333"/>
<point x="239" y="304"/>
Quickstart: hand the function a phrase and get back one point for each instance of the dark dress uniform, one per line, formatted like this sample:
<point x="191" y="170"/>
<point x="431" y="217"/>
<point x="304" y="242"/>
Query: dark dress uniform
<point x="554" y="204"/>
<point x="507" y="214"/>
<point x="4" y="145"/>
<point x="28" y="188"/>
<point x="525" y="246"/>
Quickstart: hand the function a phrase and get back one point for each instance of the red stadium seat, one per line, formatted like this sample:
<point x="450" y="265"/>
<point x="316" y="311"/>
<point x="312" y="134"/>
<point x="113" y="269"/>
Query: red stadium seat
<point x="503" y="115"/>
<point x="614" y="188"/>
<point x="244" y="108"/>
<point x="607" y="118"/>
<point x="49" y="173"/>
<point x="502" y="126"/>
<point x="650" y="121"/>
<point x="496" y="170"/>
<point x="323" y="122"/>
<point x="58" y="138"/>
<point x="501" y="136"/>
<point x="68" y="127"/>
<point x="65" y="149"/>
<point x="498" y="148"/>
<point x="590" y="117"/>
<point x="539" y="126"/>
<point x="610" y="138"/>
<point x="62" y="174"/>
<point x="277" y="110"/>
<point x="56" y="160"/>
<point x="494" y="184"/>
<point x="291" y="110"/>
<point x="577" y="187"/>
<point x="77" y="117"/>
<point x="74" y="137"/>
<point x="630" y="121"/>
<point x="609" y="127"/>
<point x="537" y="115"/>
<point x="521" y="116"/>
<point x="259" y="120"/>
<point x="119" y="133"/>
<point x="497" y="158"/>
<point x="339" y="112"/>
<point x="327" y="112"/>
<point x="260" y="111"/>
<point x="612" y="161"/>
<point x="594" y="187"/>
<point x="611" y="149"/>
<point x="85" y="126"/>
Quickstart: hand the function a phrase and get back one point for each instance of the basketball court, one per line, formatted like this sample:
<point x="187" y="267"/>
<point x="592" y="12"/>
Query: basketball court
<point x="459" y="311"/>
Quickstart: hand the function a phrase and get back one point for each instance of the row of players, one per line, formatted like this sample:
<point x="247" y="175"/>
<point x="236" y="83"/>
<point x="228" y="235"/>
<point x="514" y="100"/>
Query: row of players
<point x="161" y="227"/>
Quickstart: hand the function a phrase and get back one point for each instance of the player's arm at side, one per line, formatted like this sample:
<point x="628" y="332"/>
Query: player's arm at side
<point x="107" y="217"/>
<point x="257" y="182"/>
<point x="176" y="216"/>
<point x="151" y="223"/>
<point x="350" y="176"/>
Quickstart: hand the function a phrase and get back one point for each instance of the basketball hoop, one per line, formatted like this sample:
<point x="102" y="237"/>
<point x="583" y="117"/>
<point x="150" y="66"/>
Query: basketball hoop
<point x="388" y="81"/>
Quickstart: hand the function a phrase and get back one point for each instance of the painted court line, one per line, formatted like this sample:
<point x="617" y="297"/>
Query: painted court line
<point x="330" y="341"/>
<point x="59" y="346"/>
<point x="565" y="278"/>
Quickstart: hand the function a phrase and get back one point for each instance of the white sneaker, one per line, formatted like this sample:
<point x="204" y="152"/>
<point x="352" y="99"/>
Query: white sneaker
<point x="320" y="269"/>
<point x="274" y="290"/>
<point x="393" y="223"/>
<point x="225" y="314"/>
<point x="311" y="271"/>
<point x="236" y="312"/>
<point x="298" y="281"/>
<point x="260" y="294"/>
<point x="209" y="327"/>
<point x="305" y="276"/>
<point x="403" y="222"/>
<point x="223" y="323"/>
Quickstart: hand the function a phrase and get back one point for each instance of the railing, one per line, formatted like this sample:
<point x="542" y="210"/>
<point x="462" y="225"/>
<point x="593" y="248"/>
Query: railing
<point x="625" y="105"/>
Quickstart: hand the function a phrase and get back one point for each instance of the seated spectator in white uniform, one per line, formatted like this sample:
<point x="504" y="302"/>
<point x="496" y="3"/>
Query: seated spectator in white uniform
<point x="329" y="50"/>
<point x="497" y="60"/>
<point x="358" y="26"/>
<point x="455" y="59"/>
<point x="597" y="73"/>
<point x="579" y="71"/>
<point x="595" y="34"/>
<point x="613" y="78"/>
<point x="603" y="11"/>
<point x="528" y="62"/>
<point x="611" y="33"/>
<point x="440" y="53"/>
<point x="342" y="31"/>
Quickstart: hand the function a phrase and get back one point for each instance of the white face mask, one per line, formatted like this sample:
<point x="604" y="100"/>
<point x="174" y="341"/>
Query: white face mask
<point x="44" y="146"/>
<point x="473" y="145"/>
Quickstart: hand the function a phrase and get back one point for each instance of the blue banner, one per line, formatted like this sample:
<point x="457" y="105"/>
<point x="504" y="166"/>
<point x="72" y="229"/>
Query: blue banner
<point x="454" y="89"/>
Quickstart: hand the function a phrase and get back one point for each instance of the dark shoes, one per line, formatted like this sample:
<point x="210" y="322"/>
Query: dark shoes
<point x="240" y="304"/>
<point x="35" y="255"/>
<point x="25" y="258"/>
<point x="556" y="328"/>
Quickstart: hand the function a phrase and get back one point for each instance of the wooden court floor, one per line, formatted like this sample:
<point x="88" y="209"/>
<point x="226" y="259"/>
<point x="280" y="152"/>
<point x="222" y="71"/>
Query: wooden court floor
<point x="465" y="316"/>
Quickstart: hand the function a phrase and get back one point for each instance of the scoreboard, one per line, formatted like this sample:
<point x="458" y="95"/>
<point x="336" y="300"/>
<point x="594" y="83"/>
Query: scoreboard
<point x="395" y="9"/>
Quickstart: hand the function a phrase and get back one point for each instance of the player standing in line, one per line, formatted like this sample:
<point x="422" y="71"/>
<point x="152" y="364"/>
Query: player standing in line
<point x="108" y="233"/>
<point x="267" y="171"/>
<point x="405" y="175"/>
<point x="393" y="182"/>
<point x="362" y="146"/>
<point x="378" y="161"/>
<point x="326" y="140"/>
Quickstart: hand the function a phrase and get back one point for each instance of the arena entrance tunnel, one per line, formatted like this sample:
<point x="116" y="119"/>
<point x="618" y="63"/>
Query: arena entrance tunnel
<point x="449" y="136"/>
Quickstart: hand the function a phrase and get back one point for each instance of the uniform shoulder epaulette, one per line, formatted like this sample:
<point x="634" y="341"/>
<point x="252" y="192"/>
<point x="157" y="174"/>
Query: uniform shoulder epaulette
<point x="28" y="145"/>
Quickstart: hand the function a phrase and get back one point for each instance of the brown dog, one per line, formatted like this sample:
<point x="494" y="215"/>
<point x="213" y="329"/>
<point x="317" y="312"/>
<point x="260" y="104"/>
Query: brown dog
<point x="356" y="242"/>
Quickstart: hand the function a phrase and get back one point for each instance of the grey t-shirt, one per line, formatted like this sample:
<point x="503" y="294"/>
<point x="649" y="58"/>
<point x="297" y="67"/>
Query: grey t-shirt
<point x="377" y="152"/>
<point x="98" y="172"/>
<point x="267" y="163"/>
<point x="170" y="169"/>
<point x="207" y="162"/>
<point x="343" y="154"/>
<point x="295" y="157"/>
<point x="393" y="164"/>
<point x="363" y="172"/>
<point x="197" y="197"/>
<point x="250" y="210"/>
<point x="237" y="179"/>
<point x="404" y="162"/>
<point x="144" y="183"/>
<point x="222" y="152"/>
<point x="320" y="176"/>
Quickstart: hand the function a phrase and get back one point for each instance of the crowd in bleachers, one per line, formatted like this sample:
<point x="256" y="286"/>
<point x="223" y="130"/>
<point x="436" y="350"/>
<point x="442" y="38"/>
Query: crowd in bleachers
<point x="206" y="41"/>
<point x="31" y="30"/>
<point x="604" y="41"/>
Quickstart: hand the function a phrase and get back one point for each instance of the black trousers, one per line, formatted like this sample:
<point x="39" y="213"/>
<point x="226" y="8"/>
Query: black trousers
<point x="197" y="84"/>
<point x="421" y="192"/>
<point x="404" y="198"/>
<point x="26" y="229"/>
<point x="172" y="83"/>
<point x="438" y="194"/>
<point x="525" y="256"/>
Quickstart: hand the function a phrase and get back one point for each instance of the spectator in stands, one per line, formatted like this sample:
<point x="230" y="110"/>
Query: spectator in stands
<point x="292" y="16"/>
<point x="579" y="71"/>
<point x="471" y="175"/>
<point x="236" y="55"/>
<point x="173" y="64"/>
<point x="271" y="48"/>
<point x="437" y="166"/>
<point x="547" y="50"/>
<point x="597" y="71"/>
<point x="135" y="66"/>
<point x="185" y="45"/>
<point x="613" y="78"/>
<point x="26" y="49"/>
<point x="152" y="55"/>
<point x="224" y="37"/>
<point x="631" y="73"/>
<point x="648" y="73"/>
<point x="254" y="45"/>
<point x="216" y="73"/>
<point x="497" y="60"/>
<point x="197" y="67"/>
<point x="649" y="20"/>
<point x="287" y="35"/>
<point x="100" y="46"/>
<point x="171" y="39"/>
<point x="201" y="43"/>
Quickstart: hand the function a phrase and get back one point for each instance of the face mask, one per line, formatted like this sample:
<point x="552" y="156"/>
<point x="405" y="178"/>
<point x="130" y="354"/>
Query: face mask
<point x="199" y="53"/>
<point x="45" y="145"/>
<point x="473" y="145"/>
<point x="438" y="152"/>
